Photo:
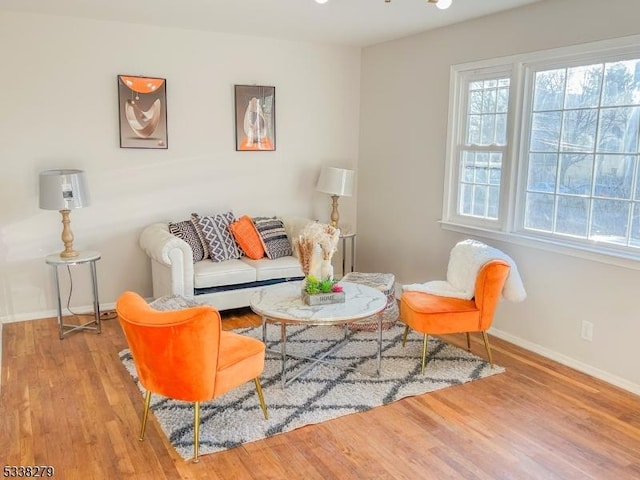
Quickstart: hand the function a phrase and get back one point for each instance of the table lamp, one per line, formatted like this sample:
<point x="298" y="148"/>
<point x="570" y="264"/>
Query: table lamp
<point x="337" y="182"/>
<point x="63" y="190"/>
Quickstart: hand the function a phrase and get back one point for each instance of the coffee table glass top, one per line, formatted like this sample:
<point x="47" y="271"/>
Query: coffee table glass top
<point x="283" y="302"/>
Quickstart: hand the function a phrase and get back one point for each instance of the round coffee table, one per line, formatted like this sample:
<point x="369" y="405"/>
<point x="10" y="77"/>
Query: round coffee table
<point x="283" y="304"/>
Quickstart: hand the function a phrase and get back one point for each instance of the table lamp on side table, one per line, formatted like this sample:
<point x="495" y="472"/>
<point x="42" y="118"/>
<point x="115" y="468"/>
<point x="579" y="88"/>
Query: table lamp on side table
<point x="62" y="190"/>
<point x="337" y="182"/>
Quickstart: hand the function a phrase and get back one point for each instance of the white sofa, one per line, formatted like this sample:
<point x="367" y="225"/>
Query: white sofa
<point x="224" y="285"/>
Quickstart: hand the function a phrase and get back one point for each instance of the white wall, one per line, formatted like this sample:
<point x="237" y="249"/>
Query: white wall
<point x="404" y="112"/>
<point x="58" y="109"/>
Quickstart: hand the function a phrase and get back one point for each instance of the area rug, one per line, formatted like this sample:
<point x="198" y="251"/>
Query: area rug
<point x="324" y="393"/>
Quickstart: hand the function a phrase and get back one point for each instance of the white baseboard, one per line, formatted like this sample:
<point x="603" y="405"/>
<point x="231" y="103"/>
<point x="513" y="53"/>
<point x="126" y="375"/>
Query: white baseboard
<point x="52" y="313"/>
<point x="568" y="361"/>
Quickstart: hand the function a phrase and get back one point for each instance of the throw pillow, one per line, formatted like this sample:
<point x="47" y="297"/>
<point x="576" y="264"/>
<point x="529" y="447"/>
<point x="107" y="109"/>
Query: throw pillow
<point x="274" y="237"/>
<point x="245" y="233"/>
<point x="187" y="232"/>
<point x="215" y="235"/>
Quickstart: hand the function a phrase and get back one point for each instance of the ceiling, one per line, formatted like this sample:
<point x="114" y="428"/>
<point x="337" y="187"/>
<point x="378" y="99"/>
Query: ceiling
<point x="346" y="22"/>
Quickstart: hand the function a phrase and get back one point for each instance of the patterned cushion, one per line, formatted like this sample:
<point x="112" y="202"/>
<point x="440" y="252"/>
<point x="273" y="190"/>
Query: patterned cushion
<point x="173" y="302"/>
<point x="215" y="236"/>
<point x="187" y="232"/>
<point x="274" y="237"/>
<point x="245" y="233"/>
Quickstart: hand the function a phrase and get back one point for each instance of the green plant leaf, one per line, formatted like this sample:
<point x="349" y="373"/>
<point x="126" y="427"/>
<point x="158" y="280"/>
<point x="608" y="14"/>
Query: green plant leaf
<point x="314" y="286"/>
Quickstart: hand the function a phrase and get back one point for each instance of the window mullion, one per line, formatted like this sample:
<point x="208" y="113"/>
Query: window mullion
<point x="594" y="169"/>
<point x="634" y="186"/>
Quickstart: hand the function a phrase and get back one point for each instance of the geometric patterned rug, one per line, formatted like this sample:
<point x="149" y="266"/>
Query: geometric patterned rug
<point x="325" y="392"/>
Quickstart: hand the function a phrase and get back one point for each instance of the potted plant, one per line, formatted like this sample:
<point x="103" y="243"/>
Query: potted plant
<point x="323" y="291"/>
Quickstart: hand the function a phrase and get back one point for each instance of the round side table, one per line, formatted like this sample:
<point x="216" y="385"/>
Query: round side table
<point x="352" y="256"/>
<point x="90" y="257"/>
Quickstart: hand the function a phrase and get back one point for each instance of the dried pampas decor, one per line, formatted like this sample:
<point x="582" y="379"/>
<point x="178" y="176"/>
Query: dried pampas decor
<point x="304" y="249"/>
<point x="315" y="246"/>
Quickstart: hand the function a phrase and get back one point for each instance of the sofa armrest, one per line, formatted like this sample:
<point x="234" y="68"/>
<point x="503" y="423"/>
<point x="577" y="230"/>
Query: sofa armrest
<point x="171" y="261"/>
<point x="158" y="244"/>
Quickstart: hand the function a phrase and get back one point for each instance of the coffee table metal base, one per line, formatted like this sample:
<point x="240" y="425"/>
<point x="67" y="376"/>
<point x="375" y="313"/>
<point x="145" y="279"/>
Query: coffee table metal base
<point x="282" y="304"/>
<point x="319" y="359"/>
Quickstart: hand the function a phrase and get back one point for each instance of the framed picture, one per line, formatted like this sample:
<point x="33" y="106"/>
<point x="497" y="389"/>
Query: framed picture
<point x="142" y="112"/>
<point x="255" y="118"/>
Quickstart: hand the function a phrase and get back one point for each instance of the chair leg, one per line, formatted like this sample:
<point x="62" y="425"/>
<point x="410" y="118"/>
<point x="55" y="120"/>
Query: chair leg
<point x="424" y="352"/>
<point x="485" y="337"/>
<point x="261" y="398"/>
<point x="404" y="337"/>
<point x="468" y="342"/>
<point x="145" y="413"/>
<point x="196" y="431"/>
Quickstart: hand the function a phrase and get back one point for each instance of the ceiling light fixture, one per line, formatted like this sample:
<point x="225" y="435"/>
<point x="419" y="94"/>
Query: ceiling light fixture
<point x="441" y="4"/>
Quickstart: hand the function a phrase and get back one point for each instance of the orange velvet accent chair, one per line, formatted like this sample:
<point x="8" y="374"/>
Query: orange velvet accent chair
<point x="436" y="315"/>
<point x="185" y="355"/>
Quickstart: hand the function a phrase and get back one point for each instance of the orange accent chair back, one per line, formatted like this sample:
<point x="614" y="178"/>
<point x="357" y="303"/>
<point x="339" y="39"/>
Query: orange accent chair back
<point x="185" y="355"/>
<point x="488" y="291"/>
<point x="435" y="315"/>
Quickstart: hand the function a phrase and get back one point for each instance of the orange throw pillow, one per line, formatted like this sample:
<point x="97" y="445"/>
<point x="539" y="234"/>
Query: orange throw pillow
<point x="245" y="233"/>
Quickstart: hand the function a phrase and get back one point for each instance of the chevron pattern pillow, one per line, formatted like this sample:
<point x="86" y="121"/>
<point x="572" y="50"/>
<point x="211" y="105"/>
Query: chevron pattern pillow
<point x="187" y="231"/>
<point x="274" y="237"/>
<point x="216" y="237"/>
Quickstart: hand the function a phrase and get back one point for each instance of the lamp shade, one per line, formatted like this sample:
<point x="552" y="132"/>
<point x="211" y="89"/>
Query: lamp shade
<point x="336" y="181"/>
<point x="63" y="189"/>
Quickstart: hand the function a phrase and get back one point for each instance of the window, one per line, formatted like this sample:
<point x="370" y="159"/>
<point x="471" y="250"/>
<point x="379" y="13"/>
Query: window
<point x="547" y="147"/>
<point x="485" y="140"/>
<point x="481" y="146"/>
<point x="583" y="153"/>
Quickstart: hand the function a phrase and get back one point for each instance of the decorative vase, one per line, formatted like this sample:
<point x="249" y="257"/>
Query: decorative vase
<point x="315" y="263"/>
<point x="326" y="269"/>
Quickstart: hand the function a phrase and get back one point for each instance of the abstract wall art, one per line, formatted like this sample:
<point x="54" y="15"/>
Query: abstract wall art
<point x="255" y="109"/>
<point x="143" y="112"/>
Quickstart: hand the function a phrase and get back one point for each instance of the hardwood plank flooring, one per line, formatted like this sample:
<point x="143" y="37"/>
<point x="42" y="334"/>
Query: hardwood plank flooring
<point x="70" y="404"/>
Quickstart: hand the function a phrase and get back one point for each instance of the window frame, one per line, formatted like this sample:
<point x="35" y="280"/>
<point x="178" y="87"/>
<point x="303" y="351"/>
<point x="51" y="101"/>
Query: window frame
<point x="460" y="82"/>
<point x="509" y="226"/>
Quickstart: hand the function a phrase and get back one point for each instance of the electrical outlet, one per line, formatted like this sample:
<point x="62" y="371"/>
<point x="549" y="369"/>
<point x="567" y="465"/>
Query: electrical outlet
<point x="587" y="331"/>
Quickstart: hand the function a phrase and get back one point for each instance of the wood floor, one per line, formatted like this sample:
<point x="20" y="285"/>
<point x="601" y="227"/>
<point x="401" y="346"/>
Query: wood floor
<point x="70" y="404"/>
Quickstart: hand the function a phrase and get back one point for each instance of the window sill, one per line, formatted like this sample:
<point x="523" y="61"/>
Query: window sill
<point x="609" y="257"/>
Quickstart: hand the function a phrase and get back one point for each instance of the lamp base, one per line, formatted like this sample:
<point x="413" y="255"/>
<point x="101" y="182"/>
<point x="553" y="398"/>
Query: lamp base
<point x="335" y="216"/>
<point x="67" y="236"/>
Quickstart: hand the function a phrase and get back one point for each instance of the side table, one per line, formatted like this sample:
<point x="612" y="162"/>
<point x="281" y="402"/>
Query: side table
<point x="90" y="257"/>
<point x="352" y="256"/>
